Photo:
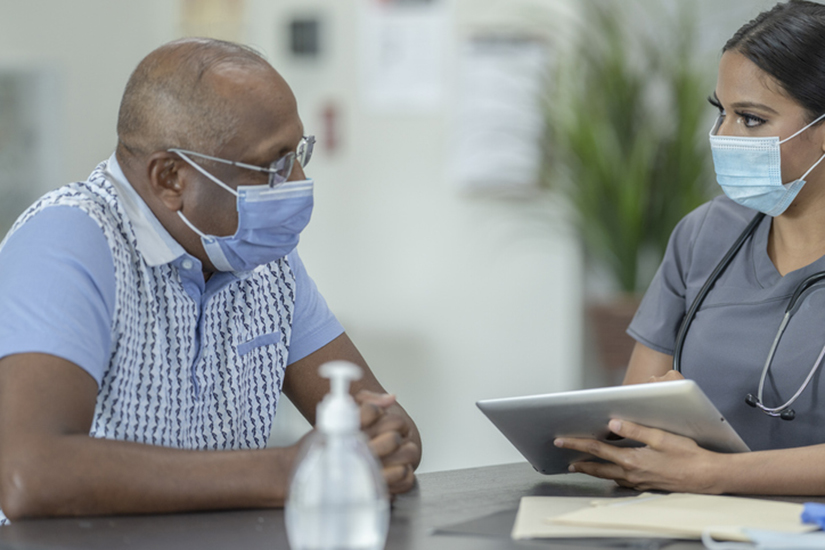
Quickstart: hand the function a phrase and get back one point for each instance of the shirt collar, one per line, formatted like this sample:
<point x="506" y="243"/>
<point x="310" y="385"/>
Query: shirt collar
<point x="154" y="242"/>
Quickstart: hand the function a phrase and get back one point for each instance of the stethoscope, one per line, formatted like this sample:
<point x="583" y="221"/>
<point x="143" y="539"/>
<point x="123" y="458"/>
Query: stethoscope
<point x="784" y="411"/>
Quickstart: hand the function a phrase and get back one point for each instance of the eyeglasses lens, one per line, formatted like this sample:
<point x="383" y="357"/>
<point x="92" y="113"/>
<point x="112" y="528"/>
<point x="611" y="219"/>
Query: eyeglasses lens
<point x="282" y="168"/>
<point x="305" y="150"/>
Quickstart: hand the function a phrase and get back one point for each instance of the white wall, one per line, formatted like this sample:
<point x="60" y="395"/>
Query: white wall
<point x="451" y="299"/>
<point x="94" y="45"/>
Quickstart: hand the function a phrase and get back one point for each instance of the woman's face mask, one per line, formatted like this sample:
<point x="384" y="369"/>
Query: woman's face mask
<point x="749" y="170"/>
<point x="270" y="220"/>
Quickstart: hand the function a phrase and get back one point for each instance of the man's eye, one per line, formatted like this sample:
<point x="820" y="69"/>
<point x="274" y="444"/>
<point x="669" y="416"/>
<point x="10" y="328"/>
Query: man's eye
<point x="255" y="178"/>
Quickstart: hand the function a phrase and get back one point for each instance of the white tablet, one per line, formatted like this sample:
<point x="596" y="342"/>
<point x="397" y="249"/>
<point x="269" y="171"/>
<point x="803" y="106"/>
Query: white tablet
<point x="532" y="423"/>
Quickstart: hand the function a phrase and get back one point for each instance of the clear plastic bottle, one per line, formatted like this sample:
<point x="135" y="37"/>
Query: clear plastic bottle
<point x="337" y="496"/>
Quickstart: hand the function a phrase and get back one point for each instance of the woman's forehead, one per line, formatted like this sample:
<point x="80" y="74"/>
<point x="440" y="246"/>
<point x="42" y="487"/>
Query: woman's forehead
<point x="740" y="80"/>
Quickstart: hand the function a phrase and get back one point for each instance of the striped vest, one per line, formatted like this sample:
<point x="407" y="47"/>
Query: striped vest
<point x="181" y="373"/>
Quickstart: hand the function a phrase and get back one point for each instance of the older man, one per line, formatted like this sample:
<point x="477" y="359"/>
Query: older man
<point x="157" y="310"/>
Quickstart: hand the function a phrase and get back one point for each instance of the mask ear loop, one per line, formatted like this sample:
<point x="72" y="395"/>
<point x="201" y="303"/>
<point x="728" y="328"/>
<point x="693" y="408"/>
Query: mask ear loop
<point x="210" y="243"/>
<point x="200" y="233"/>
<point x="194" y="165"/>
<point x="805" y="175"/>
<point x="803" y="129"/>
<point x="197" y="167"/>
<point x="716" y="125"/>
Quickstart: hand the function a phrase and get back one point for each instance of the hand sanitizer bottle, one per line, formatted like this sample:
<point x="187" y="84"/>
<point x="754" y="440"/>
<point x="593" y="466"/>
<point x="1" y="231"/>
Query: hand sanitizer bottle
<point x="337" y="497"/>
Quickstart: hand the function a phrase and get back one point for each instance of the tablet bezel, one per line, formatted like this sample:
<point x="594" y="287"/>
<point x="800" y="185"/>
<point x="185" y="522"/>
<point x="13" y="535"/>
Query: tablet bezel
<point x="531" y="423"/>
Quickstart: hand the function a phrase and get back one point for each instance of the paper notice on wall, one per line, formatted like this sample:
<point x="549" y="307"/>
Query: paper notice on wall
<point x="29" y="138"/>
<point x="499" y="119"/>
<point x="402" y="55"/>
<point x="221" y="19"/>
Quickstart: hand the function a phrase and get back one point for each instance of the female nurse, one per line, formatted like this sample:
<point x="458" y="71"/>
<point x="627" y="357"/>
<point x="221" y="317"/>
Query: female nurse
<point x="767" y="147"/>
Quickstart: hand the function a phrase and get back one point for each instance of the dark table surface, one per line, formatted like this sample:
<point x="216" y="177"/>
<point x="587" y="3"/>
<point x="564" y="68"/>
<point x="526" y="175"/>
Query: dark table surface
<point x="459" y="509"/>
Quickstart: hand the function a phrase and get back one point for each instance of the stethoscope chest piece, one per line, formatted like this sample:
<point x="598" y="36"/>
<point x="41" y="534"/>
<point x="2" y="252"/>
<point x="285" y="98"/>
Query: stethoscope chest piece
<point x="753" y="401"/>
<point x="784" y="411"/>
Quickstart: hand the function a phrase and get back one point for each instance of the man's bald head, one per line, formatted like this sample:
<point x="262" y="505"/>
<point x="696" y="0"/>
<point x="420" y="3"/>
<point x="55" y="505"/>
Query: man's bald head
<point x="170" y="100"/>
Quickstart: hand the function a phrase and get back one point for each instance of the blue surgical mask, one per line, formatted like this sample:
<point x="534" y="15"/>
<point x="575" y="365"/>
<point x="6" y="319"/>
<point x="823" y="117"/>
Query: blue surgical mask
<point x="270" y="220"/>
<point x="749" y="170"/>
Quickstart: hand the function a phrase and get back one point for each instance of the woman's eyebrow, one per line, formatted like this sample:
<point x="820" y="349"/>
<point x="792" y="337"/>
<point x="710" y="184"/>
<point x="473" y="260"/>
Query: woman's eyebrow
<point x="753" y="105"/>
<point x="747" y="105"/>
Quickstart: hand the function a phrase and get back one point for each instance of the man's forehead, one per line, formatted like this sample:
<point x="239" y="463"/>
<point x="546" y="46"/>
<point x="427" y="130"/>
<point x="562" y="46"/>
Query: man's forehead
<point x="230" y="78"/>
<point x="261" y="89"/>
<point x="266" y="109"/>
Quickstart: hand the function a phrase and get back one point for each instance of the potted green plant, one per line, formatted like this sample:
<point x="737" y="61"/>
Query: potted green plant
<point x="626" y="145"/>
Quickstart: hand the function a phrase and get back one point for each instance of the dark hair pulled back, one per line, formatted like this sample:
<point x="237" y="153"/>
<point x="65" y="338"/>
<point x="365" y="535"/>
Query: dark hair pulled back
<point x="788" y="43"/>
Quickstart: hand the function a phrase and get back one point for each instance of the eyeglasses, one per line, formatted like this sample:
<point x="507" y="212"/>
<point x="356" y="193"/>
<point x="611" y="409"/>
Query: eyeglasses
<point x="280" y="169"/>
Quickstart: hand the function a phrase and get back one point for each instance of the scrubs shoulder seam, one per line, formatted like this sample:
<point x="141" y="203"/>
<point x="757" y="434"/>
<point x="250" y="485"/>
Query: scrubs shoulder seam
<point x="644" y="341"/>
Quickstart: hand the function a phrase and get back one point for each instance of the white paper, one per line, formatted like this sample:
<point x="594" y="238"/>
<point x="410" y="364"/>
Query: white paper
<point x="725" y="517"/>
<point x="499" y="114"/>
<point x="29" y="138"/>
<point x="533" y="521"/>
<point x="402" y="55"/>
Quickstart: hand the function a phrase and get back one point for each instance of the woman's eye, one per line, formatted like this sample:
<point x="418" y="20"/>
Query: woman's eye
<point x="751" y="121"/>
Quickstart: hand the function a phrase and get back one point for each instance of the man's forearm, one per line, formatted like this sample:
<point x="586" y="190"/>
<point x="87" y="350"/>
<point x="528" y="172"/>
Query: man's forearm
<point x="76" y="475"/>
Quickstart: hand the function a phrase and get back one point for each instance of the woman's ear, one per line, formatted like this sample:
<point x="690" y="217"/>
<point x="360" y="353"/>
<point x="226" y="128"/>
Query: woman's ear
<point x="818" y="133"/>
<point x="166" y="181"/>
<point x="821" y="135"/>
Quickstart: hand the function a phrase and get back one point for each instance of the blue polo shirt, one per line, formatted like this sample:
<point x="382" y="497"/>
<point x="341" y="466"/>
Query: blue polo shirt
<point x="57" y="284"/>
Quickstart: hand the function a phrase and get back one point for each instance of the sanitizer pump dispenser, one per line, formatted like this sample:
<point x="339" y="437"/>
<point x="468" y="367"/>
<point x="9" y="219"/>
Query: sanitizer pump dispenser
<point x="337" y="496"/>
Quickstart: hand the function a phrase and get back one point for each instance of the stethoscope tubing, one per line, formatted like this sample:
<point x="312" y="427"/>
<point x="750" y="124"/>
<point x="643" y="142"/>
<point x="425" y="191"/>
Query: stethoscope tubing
<point x="797" y="295"/>
<point x="703" y="292"/>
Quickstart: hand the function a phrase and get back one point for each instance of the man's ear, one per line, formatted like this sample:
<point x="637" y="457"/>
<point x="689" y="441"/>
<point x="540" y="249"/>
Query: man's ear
<point x="166" y="181"/>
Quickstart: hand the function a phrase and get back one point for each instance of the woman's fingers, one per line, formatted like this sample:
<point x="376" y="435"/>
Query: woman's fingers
<point x="649" y="436"/>
<point x="666" y="461"/>
<point x="669" y="376"/>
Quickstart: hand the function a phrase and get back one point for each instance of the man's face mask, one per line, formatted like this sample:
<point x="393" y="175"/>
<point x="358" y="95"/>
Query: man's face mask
<point x="749" y="170"/>
<point x="270" y="217"/>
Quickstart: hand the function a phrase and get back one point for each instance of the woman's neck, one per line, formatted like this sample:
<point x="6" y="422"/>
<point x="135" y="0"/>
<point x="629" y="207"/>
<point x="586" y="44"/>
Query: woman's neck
<point x="797" y="237"/>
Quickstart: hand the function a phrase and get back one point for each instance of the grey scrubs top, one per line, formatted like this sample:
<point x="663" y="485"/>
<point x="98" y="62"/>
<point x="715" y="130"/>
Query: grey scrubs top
<point x="730" y="337"/>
